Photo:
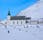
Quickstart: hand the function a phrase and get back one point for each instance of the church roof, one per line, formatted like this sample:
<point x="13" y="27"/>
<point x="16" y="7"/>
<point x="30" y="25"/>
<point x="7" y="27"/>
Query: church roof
<point x="19" y="18"/>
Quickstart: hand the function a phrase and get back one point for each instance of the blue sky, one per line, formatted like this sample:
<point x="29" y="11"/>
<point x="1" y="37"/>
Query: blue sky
<point x="15" y="6"/>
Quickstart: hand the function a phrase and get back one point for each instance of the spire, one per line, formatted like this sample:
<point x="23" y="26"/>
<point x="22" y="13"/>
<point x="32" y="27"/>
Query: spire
<point x="9" y="13"/>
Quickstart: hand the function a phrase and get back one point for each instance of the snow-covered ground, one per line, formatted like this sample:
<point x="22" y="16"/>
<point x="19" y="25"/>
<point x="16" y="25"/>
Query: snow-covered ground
<point x="19" y="32"/>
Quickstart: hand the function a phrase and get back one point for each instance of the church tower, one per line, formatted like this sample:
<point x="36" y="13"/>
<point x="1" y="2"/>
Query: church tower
<point x="9" y="15"/>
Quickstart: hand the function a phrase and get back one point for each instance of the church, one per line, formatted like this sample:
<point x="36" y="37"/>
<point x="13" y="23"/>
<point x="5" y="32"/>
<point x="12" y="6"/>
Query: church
<point x="17" y="19"/>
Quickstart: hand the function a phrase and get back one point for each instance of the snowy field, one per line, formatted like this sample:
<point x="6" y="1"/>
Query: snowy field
<point x="21" y="32"/>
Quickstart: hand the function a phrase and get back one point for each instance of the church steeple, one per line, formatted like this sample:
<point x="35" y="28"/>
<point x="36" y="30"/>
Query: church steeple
<point x="9" y="13"/>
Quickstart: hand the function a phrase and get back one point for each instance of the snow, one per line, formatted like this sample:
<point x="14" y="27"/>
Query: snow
<point x="20" y="33"/>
